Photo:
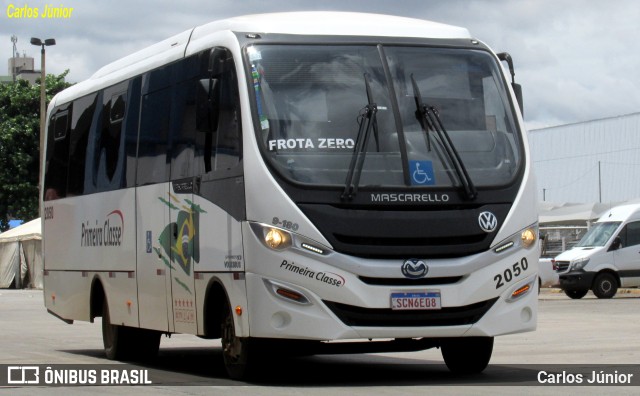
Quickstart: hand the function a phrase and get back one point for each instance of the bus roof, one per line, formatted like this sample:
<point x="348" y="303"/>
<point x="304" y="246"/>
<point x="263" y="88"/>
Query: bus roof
<point x="297" y="23"/>
<point x="335" y="23"/>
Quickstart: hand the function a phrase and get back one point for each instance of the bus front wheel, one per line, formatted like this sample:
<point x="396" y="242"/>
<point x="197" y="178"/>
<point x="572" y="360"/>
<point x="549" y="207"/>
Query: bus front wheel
<point x="467" y="355"/>
<point x="236" y="351"/>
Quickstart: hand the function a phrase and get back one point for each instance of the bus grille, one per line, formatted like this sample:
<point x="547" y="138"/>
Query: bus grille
<point x="400" y="233"/>
<point x="386" y="317"/>
<point x="448" y="280"/>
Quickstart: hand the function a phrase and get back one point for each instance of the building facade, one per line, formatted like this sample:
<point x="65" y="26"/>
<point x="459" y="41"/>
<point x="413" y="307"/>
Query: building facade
<point x="593" y="161"/>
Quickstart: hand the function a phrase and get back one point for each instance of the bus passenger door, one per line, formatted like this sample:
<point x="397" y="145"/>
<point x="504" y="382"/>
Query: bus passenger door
<point x="183" y="237"/>
<point x="154" y="266"/>
<point x="153" y="207"/>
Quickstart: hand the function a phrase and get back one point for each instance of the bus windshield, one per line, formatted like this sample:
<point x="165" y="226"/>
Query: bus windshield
<point x="599" y="234"/>
<point x="310" y="102"/>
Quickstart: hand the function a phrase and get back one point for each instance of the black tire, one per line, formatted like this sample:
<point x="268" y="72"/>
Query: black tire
<point x="236" y="351"/>
<point x="576" y="294"/>
<point x="605" y="285"/>
<point x="144" y="344"/>
<point x="113" y="337"/>
<point x="467" y="355"/>
<point x="127" y="343"/>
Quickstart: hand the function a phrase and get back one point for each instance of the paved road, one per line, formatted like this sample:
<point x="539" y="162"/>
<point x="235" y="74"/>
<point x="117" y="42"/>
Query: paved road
<point x="578" y="333"/>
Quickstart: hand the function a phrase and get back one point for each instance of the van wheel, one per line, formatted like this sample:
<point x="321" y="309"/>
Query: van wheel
<point x="467" y="355"/>
<point x="576" y="294"/>
<point x="605" y="286"/>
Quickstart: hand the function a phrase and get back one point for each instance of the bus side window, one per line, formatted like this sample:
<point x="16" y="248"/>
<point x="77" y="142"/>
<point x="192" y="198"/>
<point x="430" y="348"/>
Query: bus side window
<point x="110" y="154"/>
<point x="154" y="138"/>
<point x="227" y="144"/>
<point x="184" y="135"/>
<point x="105" y="157"/>
<point x="83" y="110"/>
<point x="222" y="147"/>
<point x="55" y="185"/>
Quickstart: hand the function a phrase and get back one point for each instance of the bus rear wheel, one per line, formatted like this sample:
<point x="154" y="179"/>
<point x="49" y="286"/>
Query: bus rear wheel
<point x="127" y="343"/>
<point x="468" y="355"/>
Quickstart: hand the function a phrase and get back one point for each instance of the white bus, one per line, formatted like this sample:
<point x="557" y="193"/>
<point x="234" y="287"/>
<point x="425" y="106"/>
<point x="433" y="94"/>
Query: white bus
<point x="323" y="182"/>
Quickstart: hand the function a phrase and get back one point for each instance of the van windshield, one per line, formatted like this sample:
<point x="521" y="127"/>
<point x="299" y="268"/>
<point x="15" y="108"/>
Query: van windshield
<point x="599" y="234"/>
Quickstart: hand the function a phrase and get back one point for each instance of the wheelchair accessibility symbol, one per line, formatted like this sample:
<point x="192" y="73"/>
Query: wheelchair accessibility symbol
<point x="422" y="173"/>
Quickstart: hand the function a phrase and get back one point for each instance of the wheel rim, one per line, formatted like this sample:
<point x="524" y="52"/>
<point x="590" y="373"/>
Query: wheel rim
<point x="606" y="286"/>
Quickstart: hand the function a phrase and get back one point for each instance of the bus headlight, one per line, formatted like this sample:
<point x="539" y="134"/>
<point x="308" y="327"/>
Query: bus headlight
<point x="277" y="239"/>
<point x="272" y="237"/>
<point x="525" y="238"/>
<point x="528" y="237"/>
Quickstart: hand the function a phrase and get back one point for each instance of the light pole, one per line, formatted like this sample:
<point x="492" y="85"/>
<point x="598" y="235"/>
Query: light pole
<point x="43" y="100"/>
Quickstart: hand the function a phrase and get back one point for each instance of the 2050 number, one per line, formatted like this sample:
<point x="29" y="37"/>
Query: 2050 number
<point x="510" y="273"/>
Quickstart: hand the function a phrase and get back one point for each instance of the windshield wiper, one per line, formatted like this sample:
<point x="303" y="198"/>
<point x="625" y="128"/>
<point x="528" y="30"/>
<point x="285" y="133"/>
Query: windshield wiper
<point x="430" y="119"/>
<point x="368" y="122"/>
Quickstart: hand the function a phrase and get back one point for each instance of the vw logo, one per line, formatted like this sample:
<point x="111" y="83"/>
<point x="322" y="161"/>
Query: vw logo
<point x="488" y="221"/>
<point x="414" y="269"/>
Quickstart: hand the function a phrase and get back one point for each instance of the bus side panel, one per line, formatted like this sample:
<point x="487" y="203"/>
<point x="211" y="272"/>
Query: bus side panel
<point x="87" y="235"/>
<point x="66" y="294"/>
<point x="236" y="291"/>
<point x="218" y="254"/>
<point x="120" y="292"/>
<point x="153" y="265"/>
<point x="91" y="233"/>
<point x="184" y="244"/>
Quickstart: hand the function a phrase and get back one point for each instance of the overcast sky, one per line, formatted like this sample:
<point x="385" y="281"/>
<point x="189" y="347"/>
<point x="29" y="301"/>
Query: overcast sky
<point x="577" y="60"/>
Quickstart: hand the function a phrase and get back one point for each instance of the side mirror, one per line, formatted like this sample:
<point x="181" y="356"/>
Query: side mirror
<point x="207" y="92"/>
<point x="517" y="88"/>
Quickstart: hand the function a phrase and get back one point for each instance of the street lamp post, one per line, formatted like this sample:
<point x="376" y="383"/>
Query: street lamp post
<point x="43" y="100"/>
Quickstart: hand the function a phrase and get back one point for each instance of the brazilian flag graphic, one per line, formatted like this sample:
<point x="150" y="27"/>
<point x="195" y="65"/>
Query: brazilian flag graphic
<point x="181" y="240"/>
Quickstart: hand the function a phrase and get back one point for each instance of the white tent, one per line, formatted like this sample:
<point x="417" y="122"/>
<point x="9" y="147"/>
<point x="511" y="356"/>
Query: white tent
<point x="21" y="256"/>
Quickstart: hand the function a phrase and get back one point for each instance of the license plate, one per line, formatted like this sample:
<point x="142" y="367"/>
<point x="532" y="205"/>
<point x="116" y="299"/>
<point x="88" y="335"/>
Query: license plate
<point x="415" y="300"/>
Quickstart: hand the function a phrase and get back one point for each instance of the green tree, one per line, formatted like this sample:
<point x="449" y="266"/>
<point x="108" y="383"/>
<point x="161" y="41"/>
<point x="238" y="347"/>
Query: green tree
<point x="19" y="146"/>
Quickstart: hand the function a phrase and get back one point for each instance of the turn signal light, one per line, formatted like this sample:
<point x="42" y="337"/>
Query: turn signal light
<point x="521" y="291"/>
<point x="290" y="294"/>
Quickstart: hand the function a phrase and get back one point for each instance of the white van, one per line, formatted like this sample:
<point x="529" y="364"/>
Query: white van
<point x="606" y="258"/>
